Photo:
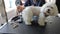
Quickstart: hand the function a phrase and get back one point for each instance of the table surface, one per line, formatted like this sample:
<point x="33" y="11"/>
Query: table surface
<point x="51" y="28"/>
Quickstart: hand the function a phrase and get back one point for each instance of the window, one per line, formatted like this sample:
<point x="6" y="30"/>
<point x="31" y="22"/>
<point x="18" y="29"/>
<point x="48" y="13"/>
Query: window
<point x="9" y="4"/>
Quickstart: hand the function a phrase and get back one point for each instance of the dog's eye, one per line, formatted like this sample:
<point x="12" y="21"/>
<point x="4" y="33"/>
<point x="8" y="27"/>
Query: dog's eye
<point x="52" y="7"/>
<point x="48" y="11"/>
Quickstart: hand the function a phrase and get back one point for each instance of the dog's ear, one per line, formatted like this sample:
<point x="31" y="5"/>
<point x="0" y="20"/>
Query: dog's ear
<point x="53" y="1"/>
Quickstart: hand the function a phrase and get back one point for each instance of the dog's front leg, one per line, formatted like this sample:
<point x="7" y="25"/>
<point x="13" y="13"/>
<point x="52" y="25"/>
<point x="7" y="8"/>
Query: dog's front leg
<point x="41" y="20"/>
<point x="27" y="16"/>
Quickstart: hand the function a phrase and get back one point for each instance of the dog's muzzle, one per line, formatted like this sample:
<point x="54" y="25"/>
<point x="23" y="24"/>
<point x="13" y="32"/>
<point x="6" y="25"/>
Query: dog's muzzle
<point x="47" y="13"/>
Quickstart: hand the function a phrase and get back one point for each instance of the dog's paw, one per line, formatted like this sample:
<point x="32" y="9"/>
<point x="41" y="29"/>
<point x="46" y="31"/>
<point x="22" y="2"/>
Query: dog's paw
<point x="43" y="25"/>
<point x="28" y="23"/>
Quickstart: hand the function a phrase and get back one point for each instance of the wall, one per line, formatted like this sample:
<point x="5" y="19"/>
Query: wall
<point x="2" y="13"/>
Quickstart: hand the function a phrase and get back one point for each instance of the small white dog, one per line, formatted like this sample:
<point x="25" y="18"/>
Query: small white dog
<point x="48" y="9"/>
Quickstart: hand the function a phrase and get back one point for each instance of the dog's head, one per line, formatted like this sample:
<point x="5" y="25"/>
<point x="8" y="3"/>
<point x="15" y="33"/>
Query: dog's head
<point x="49" y="9"/>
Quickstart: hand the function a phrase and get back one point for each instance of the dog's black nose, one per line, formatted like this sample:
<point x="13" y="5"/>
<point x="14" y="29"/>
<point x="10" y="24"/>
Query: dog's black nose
<point x="48" y="11"/>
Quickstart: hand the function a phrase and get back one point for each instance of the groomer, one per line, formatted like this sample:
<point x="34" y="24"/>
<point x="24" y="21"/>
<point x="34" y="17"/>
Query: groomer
<point x="34" y="2"/>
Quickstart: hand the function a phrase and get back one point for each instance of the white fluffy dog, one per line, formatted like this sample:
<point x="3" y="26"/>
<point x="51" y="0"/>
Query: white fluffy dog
<point x="48" y="9"/>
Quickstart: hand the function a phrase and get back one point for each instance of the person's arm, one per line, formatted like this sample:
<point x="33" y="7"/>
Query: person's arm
<point x="28" y="3"/>
<point x="41" y="2"/>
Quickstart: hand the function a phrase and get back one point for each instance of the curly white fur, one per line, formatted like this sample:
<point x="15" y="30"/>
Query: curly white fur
<point x="29" y="11"/>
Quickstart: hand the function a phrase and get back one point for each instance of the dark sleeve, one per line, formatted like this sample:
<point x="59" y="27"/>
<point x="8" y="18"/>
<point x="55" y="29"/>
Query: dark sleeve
<point x="27" y="3"/>
<point x="18" y="2"/>
<point x="41" y="2"/>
